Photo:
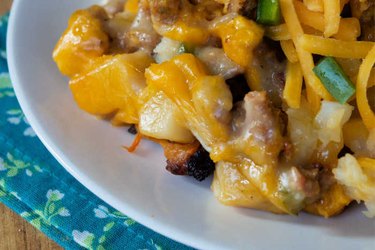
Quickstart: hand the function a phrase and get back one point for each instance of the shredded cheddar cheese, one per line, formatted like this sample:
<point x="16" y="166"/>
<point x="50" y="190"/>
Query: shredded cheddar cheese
<point x="349" y="28"/>
<point x="133" y="147"/>
<point x="305" y="58"/>
<point x="313" y="98"/>
<point x="333" y="47"/>
<point x="331" y="17"/>
<point x="293" y="85"/>
<point x="365" y="110"/>
<point x="314" y="5"/>
<point x="289" y="50"/>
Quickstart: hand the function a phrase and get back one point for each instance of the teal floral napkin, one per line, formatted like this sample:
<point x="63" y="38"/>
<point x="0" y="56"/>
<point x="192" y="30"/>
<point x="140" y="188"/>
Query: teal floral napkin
<point x="34" y="185"/>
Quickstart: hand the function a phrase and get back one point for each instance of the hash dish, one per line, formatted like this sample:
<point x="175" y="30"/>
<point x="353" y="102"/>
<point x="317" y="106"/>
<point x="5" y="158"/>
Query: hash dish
<point x="275" y="98"/>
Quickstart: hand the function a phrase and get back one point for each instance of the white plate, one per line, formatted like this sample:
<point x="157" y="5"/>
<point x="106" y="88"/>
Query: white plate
<point x="137" y="184"/>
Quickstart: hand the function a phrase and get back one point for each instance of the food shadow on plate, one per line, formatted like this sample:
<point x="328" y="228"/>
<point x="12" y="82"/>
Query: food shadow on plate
<point x="344" y="224"/>
<point x="205" y="184"/>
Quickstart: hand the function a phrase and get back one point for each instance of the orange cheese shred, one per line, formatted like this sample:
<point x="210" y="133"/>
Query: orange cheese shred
<point x="314" y="5"/>
<point x="336" y="48"/>
<point x="364" y="108"/>
<point x="135" y="143"/>
<point x="331" y="17"/>
<point x="289" y="50"/>
<point x="349" y="28"/>
<point x="293" y="85"/>
<point x="305" y="58"/>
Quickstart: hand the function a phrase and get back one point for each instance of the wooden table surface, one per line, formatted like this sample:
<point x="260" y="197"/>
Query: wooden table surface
<point x="15" y="232"/>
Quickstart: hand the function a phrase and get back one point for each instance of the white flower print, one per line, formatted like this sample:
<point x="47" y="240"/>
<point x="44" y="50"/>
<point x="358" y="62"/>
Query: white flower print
<point x="16" y="116"/>
<point x="29" y="132"/>
<point x="64" y="212"/>
<point x="84" y="239"/>
<point x="28" y="172"/>
<point x="54" y="195"/>
<point x="14" y="120"/>
<point x="51" y="209"/>
<point x="101" y="212"/>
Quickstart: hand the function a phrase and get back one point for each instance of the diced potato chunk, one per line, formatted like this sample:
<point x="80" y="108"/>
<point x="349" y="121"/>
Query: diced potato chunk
<point x="167" y="49"/>
<point x="205" y="101"/>
<point x="83" y="41"/>
<point x="160" y="118"/>
<point x="302" y="133"/>
<point x="232" y="188"/>
<point x="358" y="177"/>
<point x="112" y="84"/>
<point x="357" y="138"/>
<point x="330" y="120"/>
<point x="239" y="37"/>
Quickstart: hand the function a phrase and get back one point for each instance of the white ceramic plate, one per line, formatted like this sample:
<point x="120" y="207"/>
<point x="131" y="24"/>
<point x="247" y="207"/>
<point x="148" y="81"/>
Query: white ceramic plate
<point x="137" y="184"/>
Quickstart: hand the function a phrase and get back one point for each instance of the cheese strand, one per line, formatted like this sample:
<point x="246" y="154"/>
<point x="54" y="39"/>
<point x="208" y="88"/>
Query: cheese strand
<point x="364" y="108"/>
<point x="331" y="17"/>
<point x="293" y="85"/>
<point x="335" y="48"/>
<point x="305" y="58"/>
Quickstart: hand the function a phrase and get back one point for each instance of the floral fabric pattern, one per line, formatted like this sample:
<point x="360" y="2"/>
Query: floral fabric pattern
<point x="34" y="185"/>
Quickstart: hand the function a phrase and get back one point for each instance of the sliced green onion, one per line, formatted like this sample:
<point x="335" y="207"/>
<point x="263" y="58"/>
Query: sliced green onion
<point x="268" y="12"/>
<point x="334" y="79"/>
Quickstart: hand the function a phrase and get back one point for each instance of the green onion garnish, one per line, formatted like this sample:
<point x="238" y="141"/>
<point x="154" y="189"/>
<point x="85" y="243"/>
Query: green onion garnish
<point x="268" y="12"/>
<point x="334" y="79"/>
